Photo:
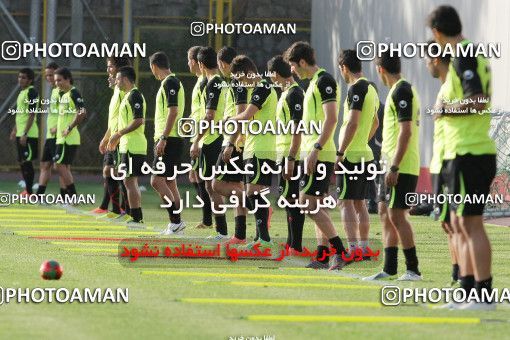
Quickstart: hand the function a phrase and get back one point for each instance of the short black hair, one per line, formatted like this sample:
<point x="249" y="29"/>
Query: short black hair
<point x="65" y="73"/>
<point x="280" y="66"/>
<point x="389" y="62"/>
<point x="193" y="52"/>
<point x="350" y="59"/>
<point x="160" y="59"/>
<point x="120" y="61"/>
<point x="28" y="72"/>
<point x="300" y="50"/>
<point x="227" y="54"/>
<point x="244" y="64"/>
<point x="446" y="20"/>
<point x="128" y="72"/>
<point x="207" y="56"/>
<point x="435" y="49"/>
<point x="52" y="65"/>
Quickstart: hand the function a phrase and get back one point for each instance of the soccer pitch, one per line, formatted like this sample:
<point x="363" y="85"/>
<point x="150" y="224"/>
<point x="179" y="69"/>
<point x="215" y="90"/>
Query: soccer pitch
<point x="203" y="301"/>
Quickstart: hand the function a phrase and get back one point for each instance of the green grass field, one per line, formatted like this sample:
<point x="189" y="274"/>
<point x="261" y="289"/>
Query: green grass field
<point x="201" y="301"/>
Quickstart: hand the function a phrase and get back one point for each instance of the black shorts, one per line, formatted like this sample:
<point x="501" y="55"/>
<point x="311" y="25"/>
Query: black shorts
<point x="65" y="154"/>
<point x="171" y="157"/>
<point x="258" y="167"/>
<point x="28" y="152"/>
<point x="470" y="175"/>
<point x="396" y="197"/>
<point x="111" y="158"/>
<point x="352" y="187"/>
<point x="136" y="163"/>
<point x="289" y="188"/>
<point x="49" y="151"/>
<point x="310" y="185"/>
<point x="208" y="157"/>
<point x="237" y="177"/>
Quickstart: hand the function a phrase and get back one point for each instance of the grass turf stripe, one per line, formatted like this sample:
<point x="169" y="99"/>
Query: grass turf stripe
<point x="289" y="284"/>
<point x="84" y="233"/>
<point x="44" y="216"/>
<point x="245" y="275"/>
<point x="281" y="302"/>
<point x="68" y="243"/>
<point x="29" y="211"/>
<point x="102" y="227"/>
<point x="362" y="319"/>
<point x="92" y="250"/>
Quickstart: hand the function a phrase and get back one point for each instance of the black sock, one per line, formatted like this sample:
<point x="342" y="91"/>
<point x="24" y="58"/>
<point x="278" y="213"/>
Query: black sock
<point x="249" y="206"/>
<point x="41" y="189"/>
<point x="174" y="217"/>
<point x="27" y="171"/>
<point x="240" y="232"/>
<point x="206" y="209"/>
<point x="136" y="214"/>
<point x="336" y="242"/>
<point x="71" y="189"/>
<point x="321" y="257"/>
<point x="197" y="188"/>
<point x="221" y="224"/>
<point x="113" y="192"/>
<point x="62" y="192"/>
<point x="484" y="285"/>
<point x="455" y="272"/>
<point x="106" y="195"/>
<point x="411" y="260"/>
<point x="289" y="227"/>
<point x="390" y="260"/>
<point x="297" y="223"/>
<point x="261" y="218"/>
<point x="467" y="283"/>
<point x="125" y="200"/>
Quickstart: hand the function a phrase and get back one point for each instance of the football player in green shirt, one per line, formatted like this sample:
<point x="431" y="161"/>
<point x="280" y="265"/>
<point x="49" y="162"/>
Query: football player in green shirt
<point x="400" y="151"/>
<point x="289" y="109"/>
<point x="359" y="125"/>
<point x="320" y="104"/>
<point x="168" y="144"/>
<point x="71" y="113"/>
<point x="438" y="68"/>
<point x="25" y="131"/>
<point x="196" y="109"/>
<point x="130" y="139"/>
<point x="259" y="149"/>
<point x="207" y="145"/>
<point x="51" y="130"/>
<point x="470" y="152"/>
<point x="226" y="184"/>
<point x="110" y="158"/>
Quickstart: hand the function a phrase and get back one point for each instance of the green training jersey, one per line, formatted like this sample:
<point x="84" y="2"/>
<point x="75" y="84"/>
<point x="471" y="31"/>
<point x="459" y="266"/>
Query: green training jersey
<point x="27" y="103"/>
<point x="133" y="106"/>
<point x="52" y="117"/>
<point x="214" y="99"/>
<point x="321" y="90"/>
<point x="439" y="138"/>
<point x="363" y="97"/>
<point x="170" y="94"/>
<point x="289" y="108"/>
<point x="262" y="146"/>
<point x="70" y="104"/>
<point x="113" y="110"/>
<point x="468" y="76"/>
<point x="402" y="105"/>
